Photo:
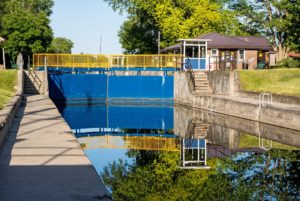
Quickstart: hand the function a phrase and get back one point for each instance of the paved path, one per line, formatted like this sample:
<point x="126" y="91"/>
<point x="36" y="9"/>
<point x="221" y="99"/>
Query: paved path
<point x="42" y="160"/>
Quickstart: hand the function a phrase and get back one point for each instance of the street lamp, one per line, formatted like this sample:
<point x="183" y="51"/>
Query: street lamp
<point x="3" y="53"/>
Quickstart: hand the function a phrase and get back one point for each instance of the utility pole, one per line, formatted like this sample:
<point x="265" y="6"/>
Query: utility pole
<point x="101" y="40"/>
<point x="158" y="43"/>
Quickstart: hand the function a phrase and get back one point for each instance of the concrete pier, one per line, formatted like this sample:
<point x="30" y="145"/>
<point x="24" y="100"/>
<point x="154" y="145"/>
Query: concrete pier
<point x="42" y="160"/>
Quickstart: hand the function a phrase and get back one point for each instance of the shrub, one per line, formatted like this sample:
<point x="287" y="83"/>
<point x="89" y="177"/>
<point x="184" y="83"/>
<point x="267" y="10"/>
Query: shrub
<point x="289" y="63"/>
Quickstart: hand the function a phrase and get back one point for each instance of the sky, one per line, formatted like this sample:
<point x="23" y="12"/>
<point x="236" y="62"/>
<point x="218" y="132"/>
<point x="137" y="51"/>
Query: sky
<point x="82" y="22"/>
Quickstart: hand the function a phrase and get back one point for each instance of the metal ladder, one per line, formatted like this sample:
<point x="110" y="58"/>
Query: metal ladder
<point x="265" y="99"/>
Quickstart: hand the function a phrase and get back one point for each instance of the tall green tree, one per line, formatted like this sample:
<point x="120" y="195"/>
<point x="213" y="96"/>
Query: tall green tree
<point x="61" y="45"/>
<point x="174" y="19"/>
<point x="276" y="19"/>
<point x="26" y="27"/>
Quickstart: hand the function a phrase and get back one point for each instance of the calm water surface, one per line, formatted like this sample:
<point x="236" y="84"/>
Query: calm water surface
<point x="174" y="153"/>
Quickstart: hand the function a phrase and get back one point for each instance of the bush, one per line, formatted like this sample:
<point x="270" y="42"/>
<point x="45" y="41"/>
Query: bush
<point x="289" y="63"/>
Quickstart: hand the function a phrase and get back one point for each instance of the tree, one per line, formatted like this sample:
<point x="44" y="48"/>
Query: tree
<point x="278" y="20"/>
<point x="137" y="37"/>
<point x="272" y="175"/>
<point x="61" y="45"/>
<point x="174" y="19"/>
<point x="25" y="26"/>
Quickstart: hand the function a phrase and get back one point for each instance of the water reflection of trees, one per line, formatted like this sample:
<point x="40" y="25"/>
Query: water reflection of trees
<point x="156" y="176"/>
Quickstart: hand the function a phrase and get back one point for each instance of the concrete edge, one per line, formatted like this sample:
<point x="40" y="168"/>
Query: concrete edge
<point x="8" y="113"/>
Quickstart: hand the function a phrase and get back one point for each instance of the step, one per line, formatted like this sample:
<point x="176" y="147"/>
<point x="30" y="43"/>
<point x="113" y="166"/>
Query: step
<point x="201" y="80"/>
<point x="31" y="92"/>
<point x="33" y="86"/>
<point x="200" y="128"/>
<point x="33" y="80"/>
<point x="206" y="92"/>
<point x="203" y="91"/>
<point x="203" y="88"/>
<point x="33" y="83"/>
<point x="202" y="84"/>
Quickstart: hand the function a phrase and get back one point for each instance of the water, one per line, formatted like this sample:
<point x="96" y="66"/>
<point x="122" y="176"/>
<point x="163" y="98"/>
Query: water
<point x="175" y="153"/>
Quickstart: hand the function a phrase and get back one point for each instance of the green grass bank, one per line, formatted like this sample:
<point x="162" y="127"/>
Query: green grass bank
<point x="247" y="140"/>
<point x="276" y="81"/>
<point x="8" y="81"/>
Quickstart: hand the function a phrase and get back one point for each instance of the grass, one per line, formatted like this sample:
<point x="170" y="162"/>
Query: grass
<point x="247" y="140"/>
<point x="8" y="81"/>
<point x="276" y="81"/>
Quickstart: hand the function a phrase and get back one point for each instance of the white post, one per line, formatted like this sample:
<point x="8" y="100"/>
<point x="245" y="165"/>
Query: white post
<point x="199" y="56"/>
<point x="184" y="54"/>
<point x="3" y="56"/>
<point x="3" y="52"/>
<point x="206" y="56"/>
<point x="46" y="87"/>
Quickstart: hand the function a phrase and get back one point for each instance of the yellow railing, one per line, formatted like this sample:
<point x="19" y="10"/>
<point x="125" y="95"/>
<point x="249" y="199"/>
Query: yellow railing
<point x="107" y="61"/>
<point x="130" y="142"/>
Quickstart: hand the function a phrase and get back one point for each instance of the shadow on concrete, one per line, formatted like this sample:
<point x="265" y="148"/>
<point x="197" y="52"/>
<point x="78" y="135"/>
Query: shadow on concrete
<point x="44" y="182"/>
<point x="22" y="183"/>
<point x="32" y="82"/>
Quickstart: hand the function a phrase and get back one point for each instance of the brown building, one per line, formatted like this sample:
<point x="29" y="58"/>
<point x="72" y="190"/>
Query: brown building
<point x="227" y="52"/>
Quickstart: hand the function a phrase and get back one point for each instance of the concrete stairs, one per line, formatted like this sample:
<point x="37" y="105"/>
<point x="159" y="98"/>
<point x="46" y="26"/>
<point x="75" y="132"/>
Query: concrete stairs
<point x="200" y="129"/>
<point x="197" y="129"/>
<point x="33" y="82"/>
<point x="201" y="87"/>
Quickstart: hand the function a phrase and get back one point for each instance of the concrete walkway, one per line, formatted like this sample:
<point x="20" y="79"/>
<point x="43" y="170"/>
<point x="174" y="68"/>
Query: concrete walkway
<point x="42" y="160"/>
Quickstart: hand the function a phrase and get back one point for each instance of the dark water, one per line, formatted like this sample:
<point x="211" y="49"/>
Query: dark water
<point x="173" y="153"/>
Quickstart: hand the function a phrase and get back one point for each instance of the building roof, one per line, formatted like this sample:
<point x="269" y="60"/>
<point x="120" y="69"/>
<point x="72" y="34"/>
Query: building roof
<point x="294" y="55"/>
<point x="219" y="41"/>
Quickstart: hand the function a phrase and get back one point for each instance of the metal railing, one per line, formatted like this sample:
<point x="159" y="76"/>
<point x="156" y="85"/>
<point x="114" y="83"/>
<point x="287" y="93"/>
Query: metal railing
<point x="130" y="142"/>
<point x="107" y="61"/>
<point x="189" y="68"/>
<point x="265" y="99"/>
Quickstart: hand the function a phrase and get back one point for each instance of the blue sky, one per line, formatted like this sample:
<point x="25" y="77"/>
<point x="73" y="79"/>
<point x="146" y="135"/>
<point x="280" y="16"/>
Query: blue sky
<point x="82" y="21"/>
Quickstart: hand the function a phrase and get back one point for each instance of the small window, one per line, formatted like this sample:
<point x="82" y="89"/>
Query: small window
<point x="214" y="52"/>
<point x="241" y="54"/>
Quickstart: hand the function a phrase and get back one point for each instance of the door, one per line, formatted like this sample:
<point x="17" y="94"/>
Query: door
<point x="228" y="59"/>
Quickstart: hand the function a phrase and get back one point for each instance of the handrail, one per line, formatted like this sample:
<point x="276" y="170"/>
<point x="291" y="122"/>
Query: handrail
<point x="190" y="71"/>
<point x="35" y="78"/>
<point x="107" y="61"/>
<point x="265" y="102"/>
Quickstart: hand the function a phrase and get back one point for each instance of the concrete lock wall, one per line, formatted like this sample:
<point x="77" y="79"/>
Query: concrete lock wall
<point x="225" y="129"/>
<point x="225" y="88"/>
<point x="99" y="86"/>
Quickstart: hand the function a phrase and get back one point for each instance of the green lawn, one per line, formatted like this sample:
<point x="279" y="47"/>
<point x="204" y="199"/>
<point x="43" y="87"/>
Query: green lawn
<point x="8" y="80"/>
<point x="247" y="140"/>
<point x="276" y="81"/>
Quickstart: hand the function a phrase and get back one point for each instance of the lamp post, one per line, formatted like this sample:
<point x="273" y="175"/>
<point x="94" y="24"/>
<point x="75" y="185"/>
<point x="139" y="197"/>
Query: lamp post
<point x="3" y="53"/>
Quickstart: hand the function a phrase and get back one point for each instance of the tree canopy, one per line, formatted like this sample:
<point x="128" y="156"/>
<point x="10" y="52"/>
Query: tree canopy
<point x="26" y="27"/>
<point x="61" y="45"/>
<point x="173" y="19"/>
<point x="277" y="20"/>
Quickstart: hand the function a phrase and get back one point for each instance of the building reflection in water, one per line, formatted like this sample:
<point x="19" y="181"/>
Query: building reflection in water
<point x="193" y="147"/>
